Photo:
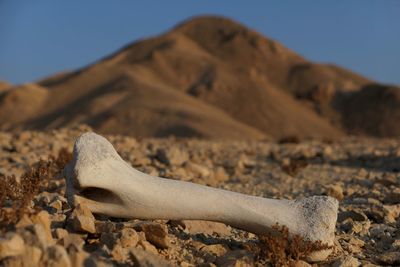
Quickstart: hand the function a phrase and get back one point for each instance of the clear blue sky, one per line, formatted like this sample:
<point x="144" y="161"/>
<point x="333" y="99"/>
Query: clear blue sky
<point x="42" y="37"/>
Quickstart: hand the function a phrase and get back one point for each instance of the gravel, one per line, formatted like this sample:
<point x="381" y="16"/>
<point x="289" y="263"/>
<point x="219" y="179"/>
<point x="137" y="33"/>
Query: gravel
<point x="363" y="174"/>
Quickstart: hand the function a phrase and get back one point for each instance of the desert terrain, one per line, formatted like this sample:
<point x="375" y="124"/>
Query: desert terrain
<point x="214" y="103"/>
<point x="362" y="173"/>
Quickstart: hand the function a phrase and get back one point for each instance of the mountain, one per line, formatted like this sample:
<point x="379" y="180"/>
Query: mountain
<point x="19" y="103"/>
<point x="373" y="110"/>
<point x="4" y="85"/>
<point x="208" y="77"/>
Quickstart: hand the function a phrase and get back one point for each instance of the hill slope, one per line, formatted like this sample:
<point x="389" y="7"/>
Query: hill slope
<point x="208" y="77"/>
<point x="373" y="110"/>
<point x="4" y="85"/>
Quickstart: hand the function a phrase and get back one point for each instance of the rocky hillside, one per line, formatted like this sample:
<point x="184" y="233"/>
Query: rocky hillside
<point x="39" y="228"/>
<point x="4" y="85"/>
<point x="207" y="77"/>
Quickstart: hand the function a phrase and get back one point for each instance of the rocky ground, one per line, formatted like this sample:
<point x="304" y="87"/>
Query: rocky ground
<point x="363" y="174"/>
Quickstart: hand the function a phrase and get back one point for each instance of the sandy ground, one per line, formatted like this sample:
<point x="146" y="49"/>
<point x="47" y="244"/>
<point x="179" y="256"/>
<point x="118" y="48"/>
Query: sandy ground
<point x="363" y="174"/>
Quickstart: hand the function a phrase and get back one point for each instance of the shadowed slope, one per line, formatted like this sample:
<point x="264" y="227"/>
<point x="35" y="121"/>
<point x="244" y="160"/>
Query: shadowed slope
<point x="3" y="86"/>
<point x="374" y="110"/>
<point x="129" y="105"/>
<point x="20" y="103"/>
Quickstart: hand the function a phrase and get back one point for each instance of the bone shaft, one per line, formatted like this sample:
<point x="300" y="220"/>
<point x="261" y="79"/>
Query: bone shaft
<point x="171" y="199"/>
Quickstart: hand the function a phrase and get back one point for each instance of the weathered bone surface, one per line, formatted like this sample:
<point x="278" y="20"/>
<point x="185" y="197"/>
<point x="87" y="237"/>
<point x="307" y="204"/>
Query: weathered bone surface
<point x="99" y="177"/>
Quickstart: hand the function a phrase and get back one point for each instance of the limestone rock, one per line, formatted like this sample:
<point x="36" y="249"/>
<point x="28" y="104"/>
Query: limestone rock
<point x="32" y="255"/>
<point x="24" y="221"/>
<point x="43" y="218"/>
<point x="205" y="227"/>
<point x="335" y="191"/>
<point x="71" y="239"/>
<point x="156" y="233"/>
<point x="82" y="219"/>
<point x="236" y="258"/>
<point x="56" y="204"/>
<point x="109" y="239"/>
<point x="220" y="175"/>
<point x="197" y="170"/>
<point x="60" y="233"/>
<point x="353" y="214"/>
<point x="216" y="249"/>
<point x="147" y="246"/>
<point x="13" y="262"/>
<point x="390" y="258"/>
<point x="346" y="261"/>
<point x="56" y="256"/>
<point x="301" y="263"/>
<point x="78" y="257"/>
<point x="11" y="245"/>
<point x="172" y="156"/>
<point x="119" y="254"/>
<point x="392" y="212"/>
<point x="393" y="197"/>
<point x="143" y="258"/>
<point x="104" y="226"/>
<point x="38" y="235"/>
<point x="129" y="237"/>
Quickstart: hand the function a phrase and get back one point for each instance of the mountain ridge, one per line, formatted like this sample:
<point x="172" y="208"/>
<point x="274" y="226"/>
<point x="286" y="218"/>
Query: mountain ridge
<point x="218" y="79"/>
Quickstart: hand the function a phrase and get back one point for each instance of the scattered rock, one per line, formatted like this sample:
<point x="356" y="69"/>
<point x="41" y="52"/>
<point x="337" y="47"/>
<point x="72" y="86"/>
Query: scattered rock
<point x="82" y="220"/>
<point x="71" y="239"/>
<point x="354" y="245"/>
<point x="38" y="236"/>
<point x="301" y="263"/>
<point x="390" y="258"/>
<point x="335" y="191"/>
<point x="392" y="212"/>
<point x="11" y="245"/>
<point x="354" y="215"/>
<point x="376" y="214"/>
<point x="172" y="156"/>
<point x="109" y="239"/>
<point x="24" y="221"/>
<point x="32" y="255"/>
<point x="396" y="244"/>
<point x="220" y="175"/>
<point x="197" y="169"/>
<point x="13" y="262"/>
<point x="79" y="257"/>
<point x="156" y="234"/>
<point x="119" y="254"/>
<point x="147" y="246"/>
<point x="56" y="204"/>
<point x="44" y="198"/>
<point x="60" y="233"/>
<point x="393" y="197"/>
<point x="346" y="261"/>
<point x="216" y="249"/>
<point x="206" y="227"/>
<point x="143" y="258"/>
<point x="56" y="256"/>
<point x="43" y="219"/>
<point x="362" y="170"/>
<point x="57" y="220"/>
<point x="236" y="258"/>
<point x="104" y="227"/>
<point x="129" y="238"/>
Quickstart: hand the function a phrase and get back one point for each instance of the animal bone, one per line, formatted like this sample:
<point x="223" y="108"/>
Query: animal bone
<point x="100" y="178"/>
